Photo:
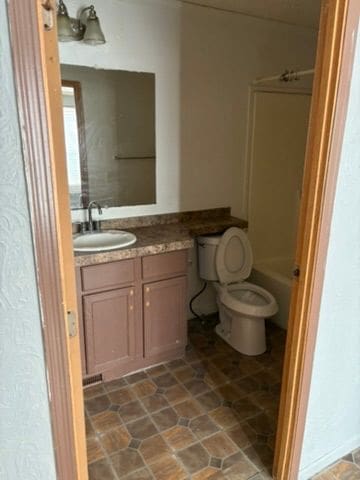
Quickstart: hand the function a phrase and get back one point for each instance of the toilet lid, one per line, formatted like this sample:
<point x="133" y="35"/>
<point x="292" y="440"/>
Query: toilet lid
<point x="234" y="257"/>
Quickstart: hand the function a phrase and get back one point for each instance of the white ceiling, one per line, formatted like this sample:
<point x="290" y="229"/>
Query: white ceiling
<point x="298" y="12"/>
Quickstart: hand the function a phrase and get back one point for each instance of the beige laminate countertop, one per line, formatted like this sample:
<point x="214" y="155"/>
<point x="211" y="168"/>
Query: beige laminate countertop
<point x="161" y="238"/>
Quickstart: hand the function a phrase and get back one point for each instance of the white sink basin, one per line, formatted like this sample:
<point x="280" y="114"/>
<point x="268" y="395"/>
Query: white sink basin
<point x="100" y="241"/>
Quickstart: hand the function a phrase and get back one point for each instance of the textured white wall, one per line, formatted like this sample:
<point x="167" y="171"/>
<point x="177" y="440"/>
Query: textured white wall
<point x="204" y="61"/>
<point x="26" y="450"/>
<point x="333" y="419"/>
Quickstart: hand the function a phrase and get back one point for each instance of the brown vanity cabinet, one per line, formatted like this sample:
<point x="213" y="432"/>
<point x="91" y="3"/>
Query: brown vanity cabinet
<point x="109" y="328"/>
<point x="164" y="314"/>
<point x="132" y="313"/>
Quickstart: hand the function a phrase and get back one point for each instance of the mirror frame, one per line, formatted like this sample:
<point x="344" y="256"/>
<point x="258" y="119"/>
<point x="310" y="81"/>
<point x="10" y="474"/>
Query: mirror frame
<point x="82" y="141"/>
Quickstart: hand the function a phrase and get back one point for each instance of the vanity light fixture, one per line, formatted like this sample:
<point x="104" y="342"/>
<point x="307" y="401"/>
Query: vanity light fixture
<point x="86" y="27"/>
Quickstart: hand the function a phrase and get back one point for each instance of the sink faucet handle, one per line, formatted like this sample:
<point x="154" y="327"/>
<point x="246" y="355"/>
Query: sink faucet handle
<point x="92" y="204"/>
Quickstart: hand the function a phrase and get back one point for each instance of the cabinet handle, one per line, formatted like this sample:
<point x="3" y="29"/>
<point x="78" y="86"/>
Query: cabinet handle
<point x="131" y="307"/>
<point x="147" y="289"/>
<point x="147" y="304"/>
<point x="131" y="292"/>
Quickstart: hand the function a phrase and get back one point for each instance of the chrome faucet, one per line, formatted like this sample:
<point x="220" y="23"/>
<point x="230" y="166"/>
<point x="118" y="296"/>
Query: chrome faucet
<point x="90" y="220"/>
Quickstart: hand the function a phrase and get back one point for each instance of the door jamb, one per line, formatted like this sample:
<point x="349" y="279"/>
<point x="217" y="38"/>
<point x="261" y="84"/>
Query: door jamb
<point x="335" y="56"/>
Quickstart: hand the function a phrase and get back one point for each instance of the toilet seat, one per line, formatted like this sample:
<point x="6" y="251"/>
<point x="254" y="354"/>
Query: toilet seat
<point x="249" y="299"/>
<point x="234" y="258"/>
<point x="233" y="262"/>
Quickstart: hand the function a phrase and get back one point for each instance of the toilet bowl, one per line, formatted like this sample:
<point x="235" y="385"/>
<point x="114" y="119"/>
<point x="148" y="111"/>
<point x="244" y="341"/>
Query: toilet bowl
<point x="226" y="260"/>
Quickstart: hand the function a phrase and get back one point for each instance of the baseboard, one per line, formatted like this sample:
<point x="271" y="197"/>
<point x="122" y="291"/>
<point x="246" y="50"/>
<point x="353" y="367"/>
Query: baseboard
<point x="328" y="459"/>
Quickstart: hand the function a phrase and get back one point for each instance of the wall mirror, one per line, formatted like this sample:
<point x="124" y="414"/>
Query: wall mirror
<point x="109" y="119"/>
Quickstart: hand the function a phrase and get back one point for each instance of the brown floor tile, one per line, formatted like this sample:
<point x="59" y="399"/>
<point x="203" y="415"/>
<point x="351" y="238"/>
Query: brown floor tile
<point x="345" y="471"/>
<point x="209" y="401"/>
<point x="219" y="445"/>
<point x="247" y="386"/>
<point x="262" y="424"/>
<point x="184" y="374"/>
<point x="260" y="455"/>
<point x="165" y="419"/>
<point x="195" y="458"/>
<point x="144" y="388"/>
<point x="155" y="402"/>
<point x="101" y="470"/>
<point x="94" y="450"/>
<point x="205" y="474"/>
<point x="324" y="476"/>
<point x="265" y="400"/>
<point x="131" y="411"/>
<point x="93" y="391"/>
<point x="265" y="379"/>
<point x="203" y="426"/>
<point x="188" y="409"/>
<point x="135" y="377"/>
<point x="115" y="440"/>
<point x="105" y="421"/>
<point x="214" y="378"/>
<point x="192" y="356"/>
<point x="249" y="366"/>
<point x="201" y="367"/>
<point x="179" y="437"/>
<point x="245" y="409"/>
<point x="224" y="417"/>
<point x="143" y="474"/>
<point x="228" y="392"/>
<point x="176" y="394"/>
<point x="90" y="432"/>
<point x="141" y="429"/>
<point x="238" y="467"/>
<point x="121" y="396"/>
<point x="156" y="371"/>
<point x="97" y="404"/>
<point x="153" y="448"/>
<point x="168" y="468"/>
<point x="175" y="364"/>
<point x="172" y="398"/>
<point x="242" y="435"/>
<point x="115" y="384"/>
<point x="165" y="381"/>
<point x="126" y="461"/>
<point x="197" y="387"/>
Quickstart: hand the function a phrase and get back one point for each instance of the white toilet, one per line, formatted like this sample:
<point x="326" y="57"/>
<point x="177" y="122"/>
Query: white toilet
<point x="227" y="260"/>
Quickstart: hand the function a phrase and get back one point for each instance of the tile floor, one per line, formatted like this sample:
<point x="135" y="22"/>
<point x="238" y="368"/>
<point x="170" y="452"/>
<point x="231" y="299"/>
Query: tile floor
<point x="347" y="468"/>
<point x="211" y="414"/>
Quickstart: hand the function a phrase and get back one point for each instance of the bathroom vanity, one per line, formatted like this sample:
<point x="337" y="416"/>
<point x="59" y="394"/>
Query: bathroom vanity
<point x="133" y="312"/>
<point x="132" y="302"/>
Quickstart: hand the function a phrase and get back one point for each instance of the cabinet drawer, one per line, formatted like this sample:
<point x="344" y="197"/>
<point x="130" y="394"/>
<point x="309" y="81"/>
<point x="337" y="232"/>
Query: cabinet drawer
<point x="165" y="265"/>
<point x="108" y="275"/>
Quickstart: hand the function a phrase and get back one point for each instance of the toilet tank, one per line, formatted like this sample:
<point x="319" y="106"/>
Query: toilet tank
<point x="207" y="245"/>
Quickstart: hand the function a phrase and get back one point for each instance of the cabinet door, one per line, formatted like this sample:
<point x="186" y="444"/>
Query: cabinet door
<point x="109" y="329"/>
<point x="164" y="316"/>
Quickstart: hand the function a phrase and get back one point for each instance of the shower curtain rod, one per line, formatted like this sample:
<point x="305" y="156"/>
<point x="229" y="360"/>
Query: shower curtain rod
<point x="287" y="76"/>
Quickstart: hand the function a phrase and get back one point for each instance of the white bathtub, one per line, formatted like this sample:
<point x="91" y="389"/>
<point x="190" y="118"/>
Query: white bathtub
<point x="275" y="275"/>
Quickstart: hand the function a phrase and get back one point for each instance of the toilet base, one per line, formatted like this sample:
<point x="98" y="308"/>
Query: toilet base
<point x="246" y="335"/>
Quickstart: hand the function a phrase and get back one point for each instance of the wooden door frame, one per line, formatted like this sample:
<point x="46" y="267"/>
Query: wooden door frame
<point x="333" y="72"/>
<point x="36" y="67"/>
<point x="52" y="233"/>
